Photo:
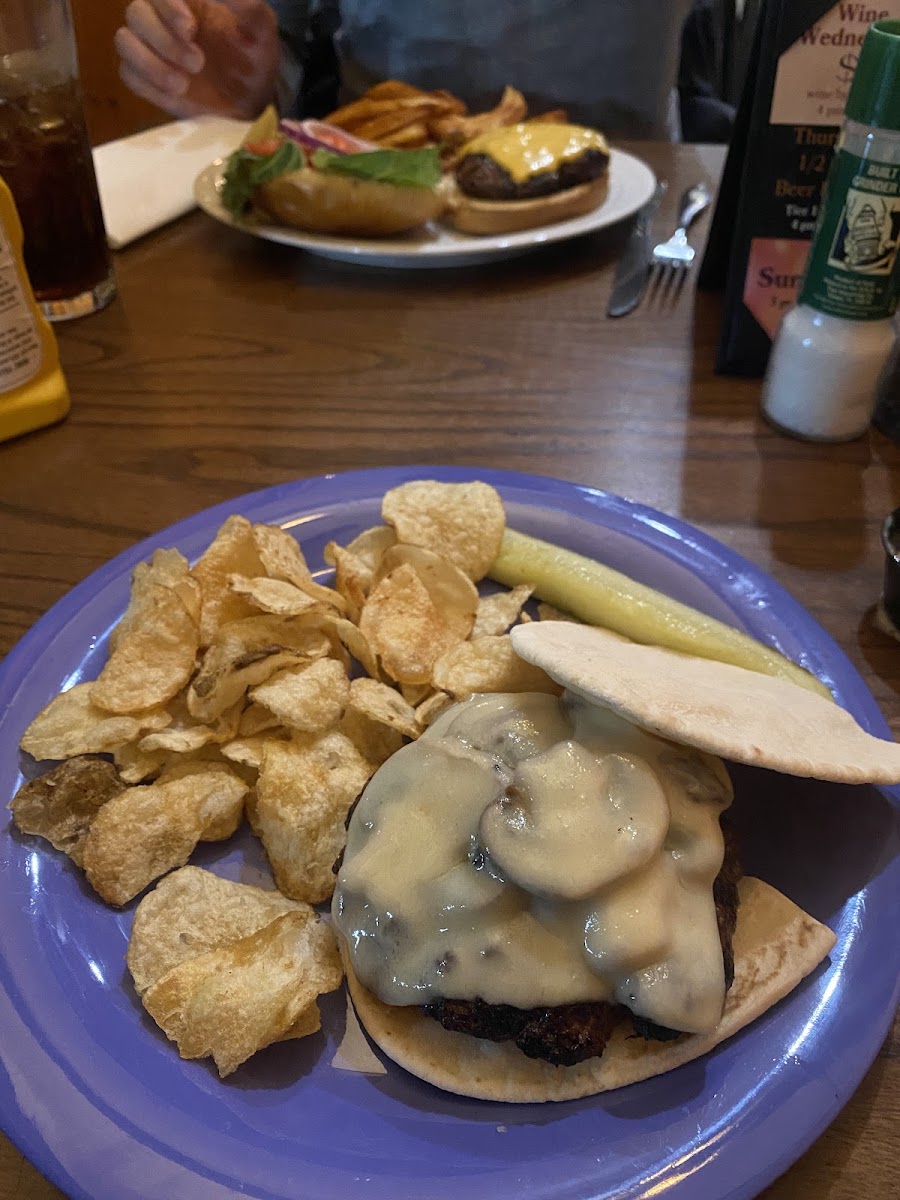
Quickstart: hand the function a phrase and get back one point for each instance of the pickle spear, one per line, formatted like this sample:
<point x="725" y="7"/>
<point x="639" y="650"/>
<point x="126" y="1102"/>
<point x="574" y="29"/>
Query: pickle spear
<point x="598" y="595"/>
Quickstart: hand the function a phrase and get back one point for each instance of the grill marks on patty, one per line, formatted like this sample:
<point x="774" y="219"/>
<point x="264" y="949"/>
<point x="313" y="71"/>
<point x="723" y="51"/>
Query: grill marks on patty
<point x="480" y="176"/>
<point x="569" y="1033"/>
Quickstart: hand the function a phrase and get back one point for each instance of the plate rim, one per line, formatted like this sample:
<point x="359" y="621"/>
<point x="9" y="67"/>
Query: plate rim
<point x="469" y="248"/>
<point x="654" y="526"/>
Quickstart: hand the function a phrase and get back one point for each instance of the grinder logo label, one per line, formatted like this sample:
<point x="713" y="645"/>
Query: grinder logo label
<point x="868" y="234"/>
<point x="853" y="268"/>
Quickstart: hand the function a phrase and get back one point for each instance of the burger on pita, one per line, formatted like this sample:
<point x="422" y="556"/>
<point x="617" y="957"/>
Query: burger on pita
<point x="540" y="899"/>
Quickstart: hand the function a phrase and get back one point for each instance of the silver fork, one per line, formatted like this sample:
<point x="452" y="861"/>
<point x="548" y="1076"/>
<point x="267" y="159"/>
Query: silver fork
<point x="672" y="259"/>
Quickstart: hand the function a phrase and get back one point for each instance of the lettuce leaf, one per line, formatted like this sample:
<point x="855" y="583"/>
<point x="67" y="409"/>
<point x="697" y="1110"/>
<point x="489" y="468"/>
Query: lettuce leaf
<point x="403" y="168"/>
<point x="245" y="171"/>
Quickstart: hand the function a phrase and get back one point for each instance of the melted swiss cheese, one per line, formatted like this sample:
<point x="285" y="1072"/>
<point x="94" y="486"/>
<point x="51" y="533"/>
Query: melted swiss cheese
<point x="534" y="851"/>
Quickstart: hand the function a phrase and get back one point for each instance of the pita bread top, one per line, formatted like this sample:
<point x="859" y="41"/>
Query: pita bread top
<point x="738" y="714"/>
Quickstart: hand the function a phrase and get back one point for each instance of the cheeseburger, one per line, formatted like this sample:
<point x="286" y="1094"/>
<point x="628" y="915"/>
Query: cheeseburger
<point x="540" y="898"/>
<point x="529" y="174"/>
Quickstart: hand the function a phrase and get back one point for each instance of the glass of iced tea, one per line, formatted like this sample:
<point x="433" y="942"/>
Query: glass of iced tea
<point x="45" y="157"/>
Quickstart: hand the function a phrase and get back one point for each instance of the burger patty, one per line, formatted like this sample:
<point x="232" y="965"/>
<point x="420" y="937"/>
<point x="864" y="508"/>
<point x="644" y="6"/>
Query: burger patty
<point x="563" y="1035"/>
<point x="481" y="176"/>
<point x="569" y="1033"/>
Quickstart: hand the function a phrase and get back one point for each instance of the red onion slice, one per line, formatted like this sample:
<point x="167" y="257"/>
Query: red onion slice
<point x="318" y="135"/>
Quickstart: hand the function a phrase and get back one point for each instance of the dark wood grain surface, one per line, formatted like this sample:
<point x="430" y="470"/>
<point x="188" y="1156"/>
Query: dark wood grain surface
<point x="228" y="364"/>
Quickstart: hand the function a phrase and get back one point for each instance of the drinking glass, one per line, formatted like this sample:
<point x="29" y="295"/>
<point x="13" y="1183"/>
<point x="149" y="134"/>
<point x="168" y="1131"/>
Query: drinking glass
<point x="45" y="158"/>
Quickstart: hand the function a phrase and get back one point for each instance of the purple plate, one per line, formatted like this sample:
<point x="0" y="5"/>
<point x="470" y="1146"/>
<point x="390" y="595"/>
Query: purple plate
<point x="93" y="1093"/>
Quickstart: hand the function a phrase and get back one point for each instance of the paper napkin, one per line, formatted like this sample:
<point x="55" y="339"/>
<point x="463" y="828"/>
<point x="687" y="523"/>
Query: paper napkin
<point x="147" y="180"/>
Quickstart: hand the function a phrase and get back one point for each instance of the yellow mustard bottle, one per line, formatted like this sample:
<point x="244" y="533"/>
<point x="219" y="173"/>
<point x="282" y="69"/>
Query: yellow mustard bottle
<point x="33" y="390"/>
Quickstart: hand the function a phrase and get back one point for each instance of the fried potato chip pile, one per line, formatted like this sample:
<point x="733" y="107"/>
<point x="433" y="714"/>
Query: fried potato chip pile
<point x="243" y="685"/>
<point x="225" y="969"/>
<point x="397" y="114"/>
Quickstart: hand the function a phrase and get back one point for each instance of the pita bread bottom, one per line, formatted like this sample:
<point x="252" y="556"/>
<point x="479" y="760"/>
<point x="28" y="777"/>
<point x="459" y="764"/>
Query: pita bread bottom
<point x="776" y="944"/>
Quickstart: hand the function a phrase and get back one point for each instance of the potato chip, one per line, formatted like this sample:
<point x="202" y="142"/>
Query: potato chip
<point x="275" y="596"/>
<point x="453" y="594"/>
<point x="281" y="555"/>
<point x="185" y="734"/>
<point x="305" y="790"/>
<point x="429" y="709"/>
<point x="309" y="698"/>
<point x="256" y="719"/>
<point x="226" y="724"/>
<point x="168" y="568"/>
<point x="230" y="1002"/>
<point x="135" y="765"/>
<point x="138" y="766"/>
<point x="146" y="831"/>
<point x="309" y="1021"/>
<point x="250" y="751"/>
<point x="415" y="693"/>
<point x="141" y="579"/>
<point x="338" y="652"/>
<point x="384" y="705"/>
<point x="61" y="805"/>
<point x="282" y="558"/>
<point x="153" y="659"/>
<point x="548" y="612"/>
<point x="192" y="911"/>
<point x="352" y="577"/>
<point x="223" y="680"/>
<point x="72" y="724"/>
<point x="370" y="545"/>
<point x="179" y="741"/>
<point x="489" y="665"/>
<point x="354" y="640"/>
<point x="245" y="653"/>
<point x="496" y="613"/>
<point x="374" y="741"/>
<point x="463" y="522"/>
<point x="232" y="552"/>
<point x="404" y="628"/>
<point x="302" y="634"/>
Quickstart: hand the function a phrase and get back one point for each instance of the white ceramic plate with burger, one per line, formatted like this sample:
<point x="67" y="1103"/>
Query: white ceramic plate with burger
<point x="309" y="185"/>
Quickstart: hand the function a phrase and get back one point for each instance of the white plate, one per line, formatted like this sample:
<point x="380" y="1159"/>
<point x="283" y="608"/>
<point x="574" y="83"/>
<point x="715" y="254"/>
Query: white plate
<point x="631" y="184"/>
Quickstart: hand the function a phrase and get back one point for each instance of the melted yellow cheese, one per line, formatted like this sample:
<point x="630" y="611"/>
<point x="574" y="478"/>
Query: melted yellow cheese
<point x="534" y="851"/>
<point x="527" y="149"/>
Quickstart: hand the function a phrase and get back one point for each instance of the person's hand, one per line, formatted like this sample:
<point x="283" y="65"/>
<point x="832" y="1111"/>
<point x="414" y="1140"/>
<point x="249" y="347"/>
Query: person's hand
<point x="200" y="56"/>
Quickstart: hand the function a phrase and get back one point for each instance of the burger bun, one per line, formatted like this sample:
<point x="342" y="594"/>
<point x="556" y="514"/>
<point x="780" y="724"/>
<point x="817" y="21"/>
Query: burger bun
<point x="776" y="945"/>
<point x="469" y="214"/>
<point x="327" y="202"/>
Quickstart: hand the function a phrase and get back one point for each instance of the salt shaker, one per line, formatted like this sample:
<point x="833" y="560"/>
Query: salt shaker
<point x="832" y="347"/>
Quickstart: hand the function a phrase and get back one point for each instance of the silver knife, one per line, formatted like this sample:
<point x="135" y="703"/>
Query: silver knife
<point x="632" y="268"/>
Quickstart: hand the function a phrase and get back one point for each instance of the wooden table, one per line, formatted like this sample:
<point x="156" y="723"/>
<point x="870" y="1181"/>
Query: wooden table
<point x="228" y="365"/>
